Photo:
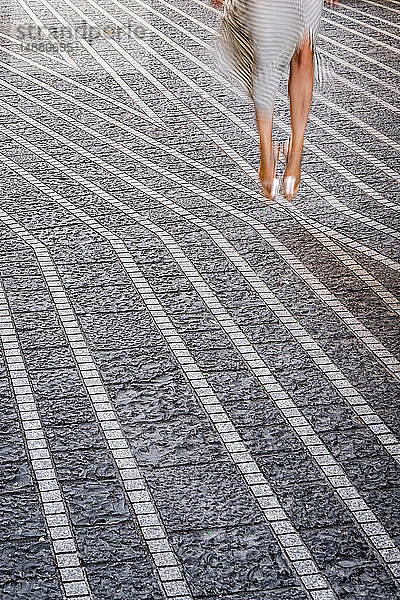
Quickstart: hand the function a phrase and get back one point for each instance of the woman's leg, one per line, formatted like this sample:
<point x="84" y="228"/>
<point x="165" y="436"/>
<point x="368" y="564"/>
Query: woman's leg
<point x="267" y="160"/>
<point x="300" y="94"/>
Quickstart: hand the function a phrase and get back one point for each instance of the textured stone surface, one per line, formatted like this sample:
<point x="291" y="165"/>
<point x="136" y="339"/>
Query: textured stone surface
<point x="159" y="493"/>
<point x="218" y="562"/>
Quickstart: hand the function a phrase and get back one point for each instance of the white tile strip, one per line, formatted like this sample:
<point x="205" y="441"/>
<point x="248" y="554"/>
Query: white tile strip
<point x="72" y="576"/>
<point x="330" y="468"/>
<point x="293" y="547"/>
<point x="105" y="65"/>
<point x="48" y="34"/>
<point x="354" y="180"/>
<point x="167" y="93"/>
<point x="361" y="248"/>
<point x="218" y="77"/>
<point x="135" y="486"/>
<point x="359" y="330"/>
<point x="382" y="353"/>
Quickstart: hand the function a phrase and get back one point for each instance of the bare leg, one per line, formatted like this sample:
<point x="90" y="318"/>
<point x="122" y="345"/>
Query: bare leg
<point x="267" y="163"/>
<point x="300" y="94"/>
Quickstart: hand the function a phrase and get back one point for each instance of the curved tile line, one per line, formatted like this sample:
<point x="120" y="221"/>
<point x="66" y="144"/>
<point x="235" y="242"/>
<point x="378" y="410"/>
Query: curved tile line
<point x="133" y="482"/>
<point x="381" y="5"/>
<point x="48" y="34"/>
<point x="311" y="225"/>
<point x="342" y="15"/>
<point x="235" y="446"/>
<point x="46" y="55"/>
<point x="68" y="97"/>
<point x="366" y="189"/>
<point x="330" y="232"/>
<point x="52" y="503"/>
<point x="107" y="68"/>
<point x="202" y="125"/>
<point x="361" y="12"/>
<point x="364" y="57"/>
<point x="351" y="322"/>
<point x="293" y="548"/>
<point x="364" y="36"/>
<point x="218" y="76"/>
<point x="311" y="181"/>
<point x="322" y="361"/>
<point x="358" y="70"/>
<point x="332" y="57"/>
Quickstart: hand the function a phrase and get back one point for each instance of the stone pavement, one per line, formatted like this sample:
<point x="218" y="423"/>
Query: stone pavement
<point x="199" y="391"/>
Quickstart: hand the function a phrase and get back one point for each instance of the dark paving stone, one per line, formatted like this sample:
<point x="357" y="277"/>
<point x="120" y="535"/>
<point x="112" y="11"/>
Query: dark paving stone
<point x="289" y="594"/>
<point x="78" y="436"/>
<point x="238" y="560"/>
<point x="236" y="386"/>
<point x="15" y="474"/>
<point x="330" y="417"/>
<point x="392" y="419"/>
<point x="379" y="472"/>
<point x="386" y="505"/>
<point x="350" y="564"/>
<point x="352" y="444"/>
<point x="202" y="496"/>
<point x="270" y="438"/>
<point x="162" y="399"/>
<point x="288" y="468"/>
<point x="109" y="543"/>
<point x="26" y="560"/>
<point x="219" y="360"/>
<point x="93" y="274"/>
<point x="254" y="413"/>
<point x="21" y="517"/>
<point x="48" y="337"/>
<point x="187" y="440"/>
<point x="49" y="358"/>
<point x="56" y="382"/>
<point x="36" y="320"/>
<point x="95" y="503"/>
<point x="142" y="365"/>
<point x="65" y="411"/>
<point x="312" y="504"/>
<point x="112" y="330"/>
<point x="26" y="589"/>
<point x="107" y="299"/>
<point x="124" y="581"/>
<point x="92" y="464"/>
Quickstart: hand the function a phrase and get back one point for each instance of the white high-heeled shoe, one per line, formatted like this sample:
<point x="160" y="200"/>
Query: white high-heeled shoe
<point x="291" y="183"/>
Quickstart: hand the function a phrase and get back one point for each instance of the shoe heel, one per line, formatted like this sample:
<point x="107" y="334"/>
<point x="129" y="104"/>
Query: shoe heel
<point x="275" y="188"/>
<point x="289" y="182"/>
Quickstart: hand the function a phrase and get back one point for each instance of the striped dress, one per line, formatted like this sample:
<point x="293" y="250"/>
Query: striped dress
<point x="258" y="39"/>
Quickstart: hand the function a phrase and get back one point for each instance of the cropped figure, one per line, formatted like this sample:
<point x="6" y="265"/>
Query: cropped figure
<point x="260" y="42"/>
